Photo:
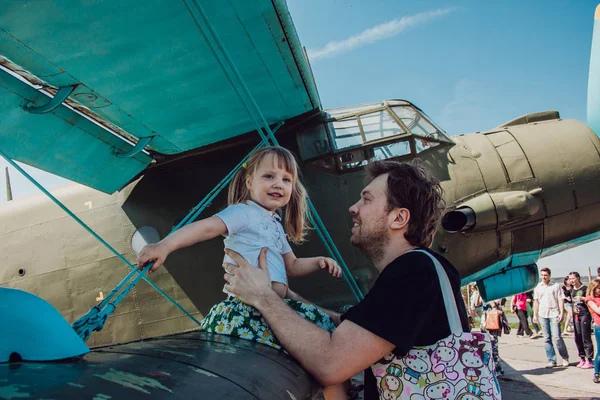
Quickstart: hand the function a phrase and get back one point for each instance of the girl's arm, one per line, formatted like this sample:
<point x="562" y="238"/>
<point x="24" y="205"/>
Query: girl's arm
<point x="188" y="235"/>
<point x="306" y="266"/>
<point x="593" y="306"/>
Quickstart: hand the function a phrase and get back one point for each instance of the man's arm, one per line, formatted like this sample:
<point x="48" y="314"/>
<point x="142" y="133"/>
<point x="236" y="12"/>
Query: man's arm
<point x="561" y="307"/>
<point x="330" y="358"/>
<point x="536" y="307"/>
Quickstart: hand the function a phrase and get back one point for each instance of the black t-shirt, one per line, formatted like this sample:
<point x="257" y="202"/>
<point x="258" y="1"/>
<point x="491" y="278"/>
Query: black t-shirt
<point x="567" y="293"/>
<point x="579" y="304"/>
<point x="406" y="308"/>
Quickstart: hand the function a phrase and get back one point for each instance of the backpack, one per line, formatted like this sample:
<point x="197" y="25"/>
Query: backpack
<point x="492" y="320"/>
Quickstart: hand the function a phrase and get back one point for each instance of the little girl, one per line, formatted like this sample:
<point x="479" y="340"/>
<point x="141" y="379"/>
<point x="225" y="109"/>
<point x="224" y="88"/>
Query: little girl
<point x="592" y="300"/>
<point x="266" y="184"/>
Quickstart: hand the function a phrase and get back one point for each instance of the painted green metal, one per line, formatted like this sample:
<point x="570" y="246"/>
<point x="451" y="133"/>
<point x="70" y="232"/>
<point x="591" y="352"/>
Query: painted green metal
<point x="54" y="102"/>
<point x="96" y="317"/>
<point x="145" y="69"/>
<point x="139" y="146"/>
<point x="188" y="366"/>
<point x="62" y="142"/>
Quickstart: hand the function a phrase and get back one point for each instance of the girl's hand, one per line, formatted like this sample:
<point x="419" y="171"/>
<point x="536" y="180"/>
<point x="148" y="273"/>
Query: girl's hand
<point x="331" y="265"/>
<point x="156" y="252"/>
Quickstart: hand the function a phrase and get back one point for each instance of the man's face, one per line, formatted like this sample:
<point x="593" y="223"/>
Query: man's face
<point x="370" y="219"/>
<point x="574" y="280"/>
<point x="545" y="277"/>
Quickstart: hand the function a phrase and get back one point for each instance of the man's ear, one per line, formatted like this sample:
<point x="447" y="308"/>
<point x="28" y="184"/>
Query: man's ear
<point x="401" y="217"/>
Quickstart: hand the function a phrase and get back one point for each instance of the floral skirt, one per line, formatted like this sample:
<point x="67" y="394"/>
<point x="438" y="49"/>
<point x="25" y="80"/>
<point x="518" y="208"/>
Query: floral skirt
<point x="234" y="318"/>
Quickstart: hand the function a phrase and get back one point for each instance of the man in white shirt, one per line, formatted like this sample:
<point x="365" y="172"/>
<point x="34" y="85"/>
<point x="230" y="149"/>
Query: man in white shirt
<point x="548" y="308"/>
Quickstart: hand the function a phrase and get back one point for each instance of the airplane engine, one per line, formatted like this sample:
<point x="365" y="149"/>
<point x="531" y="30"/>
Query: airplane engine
<point x="492" y="210"/>
<point x="507" y="283"/>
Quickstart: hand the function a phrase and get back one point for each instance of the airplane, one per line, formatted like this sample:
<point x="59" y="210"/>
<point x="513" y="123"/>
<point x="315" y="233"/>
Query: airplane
<point x="124" y="110"/>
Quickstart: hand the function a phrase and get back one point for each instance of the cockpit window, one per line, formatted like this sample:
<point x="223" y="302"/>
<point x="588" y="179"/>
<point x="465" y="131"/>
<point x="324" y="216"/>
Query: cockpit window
<point x="346" y="133"/>
<point x="379" y="125"/>
<point x="414" y="121"/>
<point x="351" y="136"/>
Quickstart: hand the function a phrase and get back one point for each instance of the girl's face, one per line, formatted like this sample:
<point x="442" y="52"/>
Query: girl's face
<point x="597" y="291"/>
<point x="270" y="185"/>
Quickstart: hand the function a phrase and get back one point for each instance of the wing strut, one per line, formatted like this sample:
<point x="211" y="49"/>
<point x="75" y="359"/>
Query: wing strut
<point x="237" y="82"/>
<point x="96" y="317"/>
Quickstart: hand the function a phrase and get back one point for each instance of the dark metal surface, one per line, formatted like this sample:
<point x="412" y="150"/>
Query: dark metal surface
<point x="193" y="365"/>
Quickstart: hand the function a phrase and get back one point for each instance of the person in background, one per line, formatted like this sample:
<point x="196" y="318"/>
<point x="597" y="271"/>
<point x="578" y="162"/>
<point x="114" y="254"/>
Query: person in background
<point x="582" y="321"/>
<point x="592" y="299"/>
<point x="536" y="327"/>
<point x="519" y="307"/>
<point x="566" y="288"/>
<point x="495" y="324"/>
<point x="548" y="306"/>
<point x="476" y="304"/>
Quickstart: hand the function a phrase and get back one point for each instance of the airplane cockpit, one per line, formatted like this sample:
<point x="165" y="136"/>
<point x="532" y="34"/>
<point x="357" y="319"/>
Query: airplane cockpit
<point x="347" y="138"/>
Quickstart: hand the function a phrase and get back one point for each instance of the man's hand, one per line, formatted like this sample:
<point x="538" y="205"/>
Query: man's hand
<point x="248" y="283"/>
<point x="560" y="317"/>
<point x="535" y="319"/>
<point x="156" y="252"/>
<point x="331" y="265"/>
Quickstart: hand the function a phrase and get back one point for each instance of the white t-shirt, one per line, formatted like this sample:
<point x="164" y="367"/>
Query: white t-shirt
<point x="548" y="297"/>
<point x="250" y="228"/>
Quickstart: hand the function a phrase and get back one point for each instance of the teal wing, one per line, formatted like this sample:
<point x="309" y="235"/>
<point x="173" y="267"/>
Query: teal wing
<point x="142" y="71"/>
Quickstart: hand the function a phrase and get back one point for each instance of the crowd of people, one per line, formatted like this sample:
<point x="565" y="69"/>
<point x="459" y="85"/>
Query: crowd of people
<point x="549" y="304"/>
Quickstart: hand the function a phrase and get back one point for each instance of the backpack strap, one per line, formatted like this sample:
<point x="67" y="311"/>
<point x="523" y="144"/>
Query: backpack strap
<point x="448" y="295"/>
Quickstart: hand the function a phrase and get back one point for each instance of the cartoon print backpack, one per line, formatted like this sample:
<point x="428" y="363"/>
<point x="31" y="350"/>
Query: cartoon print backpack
<point x="459" y="367"/>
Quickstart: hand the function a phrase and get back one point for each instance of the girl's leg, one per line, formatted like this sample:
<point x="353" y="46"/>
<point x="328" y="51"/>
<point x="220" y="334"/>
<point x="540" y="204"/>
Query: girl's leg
<point x="335" y="392"/>
<point x="496" y="354"/>
<point x="597" y="360"/>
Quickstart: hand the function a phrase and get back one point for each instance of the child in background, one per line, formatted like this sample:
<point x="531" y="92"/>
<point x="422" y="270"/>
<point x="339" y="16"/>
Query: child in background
<point x="495" y="323"/>
<point x="267" y="183"/>
<point x="592" y="300"/>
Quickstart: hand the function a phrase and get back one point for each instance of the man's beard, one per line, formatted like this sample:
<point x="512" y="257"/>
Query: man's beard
<point x="372" y="240"/>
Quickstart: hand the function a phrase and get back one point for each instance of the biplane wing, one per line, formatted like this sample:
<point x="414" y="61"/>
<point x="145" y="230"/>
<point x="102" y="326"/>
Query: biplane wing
<point x="138" y="74"/>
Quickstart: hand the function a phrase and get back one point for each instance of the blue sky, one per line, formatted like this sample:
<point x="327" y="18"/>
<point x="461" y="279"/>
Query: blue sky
<point x="470" y="65"/>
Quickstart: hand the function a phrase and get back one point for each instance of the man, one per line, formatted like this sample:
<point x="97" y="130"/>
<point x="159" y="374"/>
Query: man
<point x="548" y="307"/>
<point x="582" y="321"/>
<point x="476" y="304"/>
<point x="398" y="211"/>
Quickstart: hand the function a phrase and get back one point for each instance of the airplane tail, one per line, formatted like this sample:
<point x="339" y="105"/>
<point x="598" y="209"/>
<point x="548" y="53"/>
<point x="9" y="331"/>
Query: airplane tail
<point x="593" y="101"/>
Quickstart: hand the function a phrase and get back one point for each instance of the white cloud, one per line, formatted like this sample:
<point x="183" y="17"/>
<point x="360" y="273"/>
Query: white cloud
<point x="376" y="33"/>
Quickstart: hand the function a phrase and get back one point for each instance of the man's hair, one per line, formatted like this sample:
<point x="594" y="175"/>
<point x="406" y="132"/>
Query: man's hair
<point x="413" y="187"/>
<point x="598" y="270"/>
<point x="576" y="274"/>
<point x="546" y="270"/>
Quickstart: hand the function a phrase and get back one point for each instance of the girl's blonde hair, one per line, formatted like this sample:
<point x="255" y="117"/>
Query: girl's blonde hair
<point x="296" y="210"/>
<point x="593" y="285"/>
